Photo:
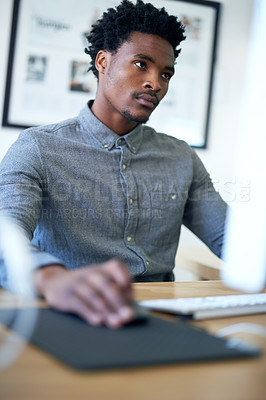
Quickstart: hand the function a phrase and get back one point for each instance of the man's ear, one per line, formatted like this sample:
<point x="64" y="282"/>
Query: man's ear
<point x="101" y="61"/>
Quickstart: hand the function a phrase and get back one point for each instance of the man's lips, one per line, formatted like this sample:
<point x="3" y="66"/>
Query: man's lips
<point x="147" y="99"/>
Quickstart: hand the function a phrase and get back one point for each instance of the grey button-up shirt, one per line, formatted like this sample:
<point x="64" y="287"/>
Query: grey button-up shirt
<point x="83" y="195"/>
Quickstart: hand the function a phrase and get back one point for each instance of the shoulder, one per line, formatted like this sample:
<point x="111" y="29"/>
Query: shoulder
<point x="50" y="139"/>
<point x="33" y="142"/>
<point x="177" y="152"/>
<point x="167" y="142"/>
<point x="60" y="129"/>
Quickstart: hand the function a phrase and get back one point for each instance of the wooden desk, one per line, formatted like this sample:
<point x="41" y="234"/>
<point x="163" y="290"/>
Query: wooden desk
<point x="36" y="375"/>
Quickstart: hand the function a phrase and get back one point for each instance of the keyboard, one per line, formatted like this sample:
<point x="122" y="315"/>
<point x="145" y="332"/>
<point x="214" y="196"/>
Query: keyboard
<point x="212" y="306"/>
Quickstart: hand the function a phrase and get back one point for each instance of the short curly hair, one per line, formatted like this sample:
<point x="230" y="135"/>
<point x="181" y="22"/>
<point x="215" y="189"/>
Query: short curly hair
<point x="116" y="24"/>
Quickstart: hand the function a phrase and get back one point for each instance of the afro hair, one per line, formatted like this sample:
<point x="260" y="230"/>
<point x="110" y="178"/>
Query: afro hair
<point x="116" y="24"/>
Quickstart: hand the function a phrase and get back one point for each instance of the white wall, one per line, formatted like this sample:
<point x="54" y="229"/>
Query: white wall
<point x="228" y="88"/>
<point x="219" y="157"/>
<point x="7" y="135"/>
<point x="230" y="71"/>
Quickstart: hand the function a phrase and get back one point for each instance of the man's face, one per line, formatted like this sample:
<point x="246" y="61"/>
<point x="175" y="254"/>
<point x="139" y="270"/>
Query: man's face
<point x="136" y="78"/>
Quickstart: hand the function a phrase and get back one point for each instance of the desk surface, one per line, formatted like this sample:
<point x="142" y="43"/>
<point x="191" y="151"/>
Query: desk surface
<point x="36" y="375"/>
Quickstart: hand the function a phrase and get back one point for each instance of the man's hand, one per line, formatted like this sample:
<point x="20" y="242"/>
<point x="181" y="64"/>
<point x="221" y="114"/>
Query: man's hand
<point x="100" y="294"/>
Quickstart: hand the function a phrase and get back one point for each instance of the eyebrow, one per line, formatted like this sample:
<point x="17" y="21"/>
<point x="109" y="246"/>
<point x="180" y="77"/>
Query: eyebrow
<point x="148" y="58"/>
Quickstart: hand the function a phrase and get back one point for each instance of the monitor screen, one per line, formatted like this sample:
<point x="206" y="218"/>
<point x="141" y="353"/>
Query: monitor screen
<point x="245" y="245"/>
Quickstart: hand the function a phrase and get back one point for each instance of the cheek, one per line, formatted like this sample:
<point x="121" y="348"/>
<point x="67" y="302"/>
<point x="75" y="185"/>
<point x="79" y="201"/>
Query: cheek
<point x="127" y="76"/>
<point x="164" y="90"/>
<point x="127" y="81"/>
<point x="121" y="84"/>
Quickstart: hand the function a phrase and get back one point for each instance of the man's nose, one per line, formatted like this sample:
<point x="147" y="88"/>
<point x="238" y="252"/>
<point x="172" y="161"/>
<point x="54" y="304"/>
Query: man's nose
<point x="153" y="82"/>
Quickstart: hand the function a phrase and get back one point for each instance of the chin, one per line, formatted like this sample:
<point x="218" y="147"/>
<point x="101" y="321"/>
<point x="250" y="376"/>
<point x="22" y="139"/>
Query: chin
<point x="140" y="119"/>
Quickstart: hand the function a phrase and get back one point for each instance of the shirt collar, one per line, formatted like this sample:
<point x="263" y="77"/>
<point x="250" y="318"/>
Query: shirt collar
<point x="105" y="136"/>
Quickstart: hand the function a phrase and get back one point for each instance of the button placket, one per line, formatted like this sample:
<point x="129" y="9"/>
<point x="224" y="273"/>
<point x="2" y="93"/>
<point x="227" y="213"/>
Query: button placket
<point x="133" y="213"/>
<point x="126" y="172"/>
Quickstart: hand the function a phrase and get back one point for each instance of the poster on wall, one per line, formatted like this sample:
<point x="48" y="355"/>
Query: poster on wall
<point x="48" y="79"/>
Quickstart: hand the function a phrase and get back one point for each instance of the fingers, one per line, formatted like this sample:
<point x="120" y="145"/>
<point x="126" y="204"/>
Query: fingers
<point x="112" y="281"/>
<point x="78" y="306"/>
<point x="118" y="272"/>
<point x="112" y="293"/>
<point x="100" y="294"/>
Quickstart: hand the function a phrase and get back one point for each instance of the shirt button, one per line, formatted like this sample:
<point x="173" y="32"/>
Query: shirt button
<point x="129" y="238"/>
<point x="105" y="146"/>
<point x="133" y="148"/>
<point x="173" y="196"/>
<point x="119" y="141"/>
<point x="147" y="263"/>
<point x="124" y="167"/>
<point x="130" y="201"/>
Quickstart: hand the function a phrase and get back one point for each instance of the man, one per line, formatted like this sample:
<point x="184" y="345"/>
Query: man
<point x="102" y="190"/>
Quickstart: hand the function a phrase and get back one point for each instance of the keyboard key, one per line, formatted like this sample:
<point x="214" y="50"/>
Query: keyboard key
<point x="211" y="306"/>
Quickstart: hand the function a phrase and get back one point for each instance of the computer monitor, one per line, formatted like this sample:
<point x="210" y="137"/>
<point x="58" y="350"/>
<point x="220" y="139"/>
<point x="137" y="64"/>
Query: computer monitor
<point x="245" y="246"/>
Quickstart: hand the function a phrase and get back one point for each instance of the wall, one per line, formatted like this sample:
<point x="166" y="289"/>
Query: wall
<point x="7" y="135"/>
<point x="230" y="70"/>
<point x="233" y="47"/>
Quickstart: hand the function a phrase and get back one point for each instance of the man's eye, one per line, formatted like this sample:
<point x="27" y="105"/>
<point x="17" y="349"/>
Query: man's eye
<point x="140" y="64"/>
<point x="166" y="76"/>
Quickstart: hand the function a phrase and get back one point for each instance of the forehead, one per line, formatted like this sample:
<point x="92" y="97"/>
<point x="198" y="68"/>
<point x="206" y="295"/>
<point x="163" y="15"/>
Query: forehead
<point x="151" y="45"/>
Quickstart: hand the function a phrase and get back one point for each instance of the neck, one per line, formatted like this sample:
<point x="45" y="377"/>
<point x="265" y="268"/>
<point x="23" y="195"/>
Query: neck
<point x="111" y="118"/>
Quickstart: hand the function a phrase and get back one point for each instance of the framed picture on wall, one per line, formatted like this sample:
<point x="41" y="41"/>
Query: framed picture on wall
<point x="48" y="79"/>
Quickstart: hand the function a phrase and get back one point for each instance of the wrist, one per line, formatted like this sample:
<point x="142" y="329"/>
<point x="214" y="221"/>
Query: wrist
<point x="42" y="277"/>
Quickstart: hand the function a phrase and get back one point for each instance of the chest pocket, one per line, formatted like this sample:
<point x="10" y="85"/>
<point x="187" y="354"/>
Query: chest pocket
<point x="162" y="208"/>
<point x="167" y="204"/>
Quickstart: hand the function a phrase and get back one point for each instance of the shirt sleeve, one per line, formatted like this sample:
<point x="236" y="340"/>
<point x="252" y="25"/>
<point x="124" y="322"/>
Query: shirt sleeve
<point x="22" y="180"/>
<point x="205" y="210"/>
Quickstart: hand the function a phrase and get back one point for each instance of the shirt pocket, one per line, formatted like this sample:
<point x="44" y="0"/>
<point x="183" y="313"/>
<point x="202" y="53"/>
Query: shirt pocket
<point x="167" y="208"/>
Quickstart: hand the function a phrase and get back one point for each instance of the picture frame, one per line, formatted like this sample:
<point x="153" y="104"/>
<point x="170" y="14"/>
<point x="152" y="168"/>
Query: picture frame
<point x="48" y="80"/>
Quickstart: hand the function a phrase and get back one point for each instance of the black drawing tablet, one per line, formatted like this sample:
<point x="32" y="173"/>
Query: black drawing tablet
<point x="153" y="342"/>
